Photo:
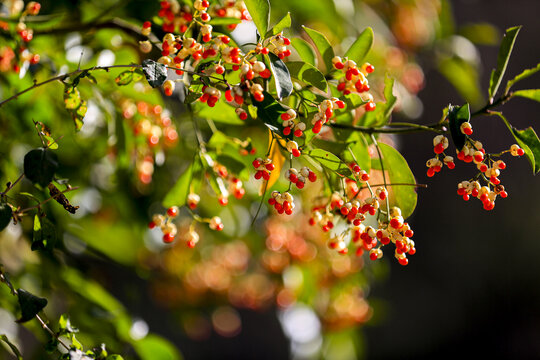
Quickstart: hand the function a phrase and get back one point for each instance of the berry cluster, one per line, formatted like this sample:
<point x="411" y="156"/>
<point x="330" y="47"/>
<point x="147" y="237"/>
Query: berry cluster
<point x="290" y="126"/>
<point x="11" y="60"/>
<point x="154" y="124"/>
<point x="170" y="230"/>
<point x="299" y="178"/>
<point x="263" y="168"/>
<point x="355" y="79"/>
<point x="440" y="143"/>
<point x="326" y="111"/>
<point x="283" y="203"/>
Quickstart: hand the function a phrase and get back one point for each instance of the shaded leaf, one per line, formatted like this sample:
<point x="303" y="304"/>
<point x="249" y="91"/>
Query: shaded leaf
<point x="398" y="171"/>
<point x="269" y="111"/>
<point x="464" y="77"/>
<point x="44" y="234"/>
<point x="30" y="305"/>
<point x="525" y="74"/>
<point x="260" y="13"/>
<point x="533" y="94"/>
<point x="5" y="215"/>
<point x="153" y="347"/>
<point x="527" y="140"/>
<point x="304" y="50"/>
<point x="282" y="77"/>
<point x="307" y="74"/>
<point x="457" y="115"/>
<point x="505" y="50"/>
<point x="323" y="46"/>
<point x="231" y="163"/>
<point x="360" y="48"/>
<point x="284" y="23"/>
<point x="155" y="73"/>
<point x="12" y="346"/>
<point x="40" y="166"/>
<point x="480" y="33"/>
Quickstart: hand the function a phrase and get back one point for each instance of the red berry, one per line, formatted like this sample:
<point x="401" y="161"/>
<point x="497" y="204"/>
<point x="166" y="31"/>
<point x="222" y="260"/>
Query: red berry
<point x="172" y="211"/>
<point x="151" y="225"/>
<point x="256" y="163"/>
<point x="296" y="152"/>
<point x="168" y="238"/>
<point x="287" y="131"/>
<point x="403" y="261"/>
<point x="370" y="106"/>
<point x="270" y="167"/>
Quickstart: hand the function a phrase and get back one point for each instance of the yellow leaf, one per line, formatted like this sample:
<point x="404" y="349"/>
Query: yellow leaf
<point x="277" y="159"/>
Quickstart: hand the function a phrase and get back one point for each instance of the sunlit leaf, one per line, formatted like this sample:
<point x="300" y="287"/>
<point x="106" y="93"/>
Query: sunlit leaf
<point x="221" y="112"/>
<point x="505" y="51"/>
<point x="527" y="140"/>
<point x="177" y="195"/>
<point x="278" y="160"/>
<point x="260" y="13"/>
<point x="153" y="347"/>
<point x="304" y="50"/>
<point x="525" y="74"/>
<point x="323" y="46"/>
<point x="224" y="21"/>
<point x="464" y="77"/>
<point x="360" y="150"/>
<point x="360" y="48"/>
<point x="284" y="23"/>
<point x="124" y="78"/>
<point x="307" y="73"/>
<point x="398" y="172"/>
<point x="532" y="94"/>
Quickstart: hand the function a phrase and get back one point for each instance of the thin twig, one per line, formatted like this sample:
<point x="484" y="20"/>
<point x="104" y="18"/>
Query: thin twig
<point x="12" y="185"/>
<point x="388" y="129"/>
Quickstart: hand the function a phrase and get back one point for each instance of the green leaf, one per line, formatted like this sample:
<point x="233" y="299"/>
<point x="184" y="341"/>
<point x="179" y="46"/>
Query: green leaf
<point x="282" y="77"/>
<point x="124" y="78"/>
<point x="323" y="46"/>
<point x="40" y="166"/>
<point x="260" y="13"/>
<point x="72" y="98"/>
<point x="505" y="51"/>
<point x="153" y="347"/>
<point x="155" y="73"/>
<point x="304" y="50"/>
<point x="284" y="23"/>
<point x="480" y="33"/>
<point x="525" y="74"/>
<point x="381" y="115"/>
<point x="360" y="48"/>
<point x="114" y="357"/>
<point x="51" y="143"/>
<point x="398" y="172"/>
<point x="527" y="140"/>
<point x="44" y="234"/>
<point x="269" y="111"/>
<point x="330" y="161"/>
<point x="533" y="94"/>
<point x="221" y="112"/>
<point x="180" y="190"/>
<point x="457" y="115"/>
<point x="464" y="77"/>
<point x="224" y="21"/>
<point x="30" y="305"/>
<point x="307" y="73"/>
<point x="360" y="150"/>
<point x="12" y="346"/>
<point x="5" y="215"/>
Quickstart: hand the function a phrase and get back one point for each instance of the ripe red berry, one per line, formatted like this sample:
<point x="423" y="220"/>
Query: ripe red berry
<point x="172" y="211"/>
<point x="370" y="106"/>
<point x="151" y="225"/>
<point x="168" y="238"/>
<point x="403" y="261"/>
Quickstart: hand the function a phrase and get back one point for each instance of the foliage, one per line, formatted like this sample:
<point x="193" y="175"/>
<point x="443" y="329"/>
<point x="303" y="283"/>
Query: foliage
<point x="265" y="169"/>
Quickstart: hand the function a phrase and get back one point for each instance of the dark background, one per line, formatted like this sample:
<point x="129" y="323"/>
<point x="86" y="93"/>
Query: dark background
<point x="473" y="288"/>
